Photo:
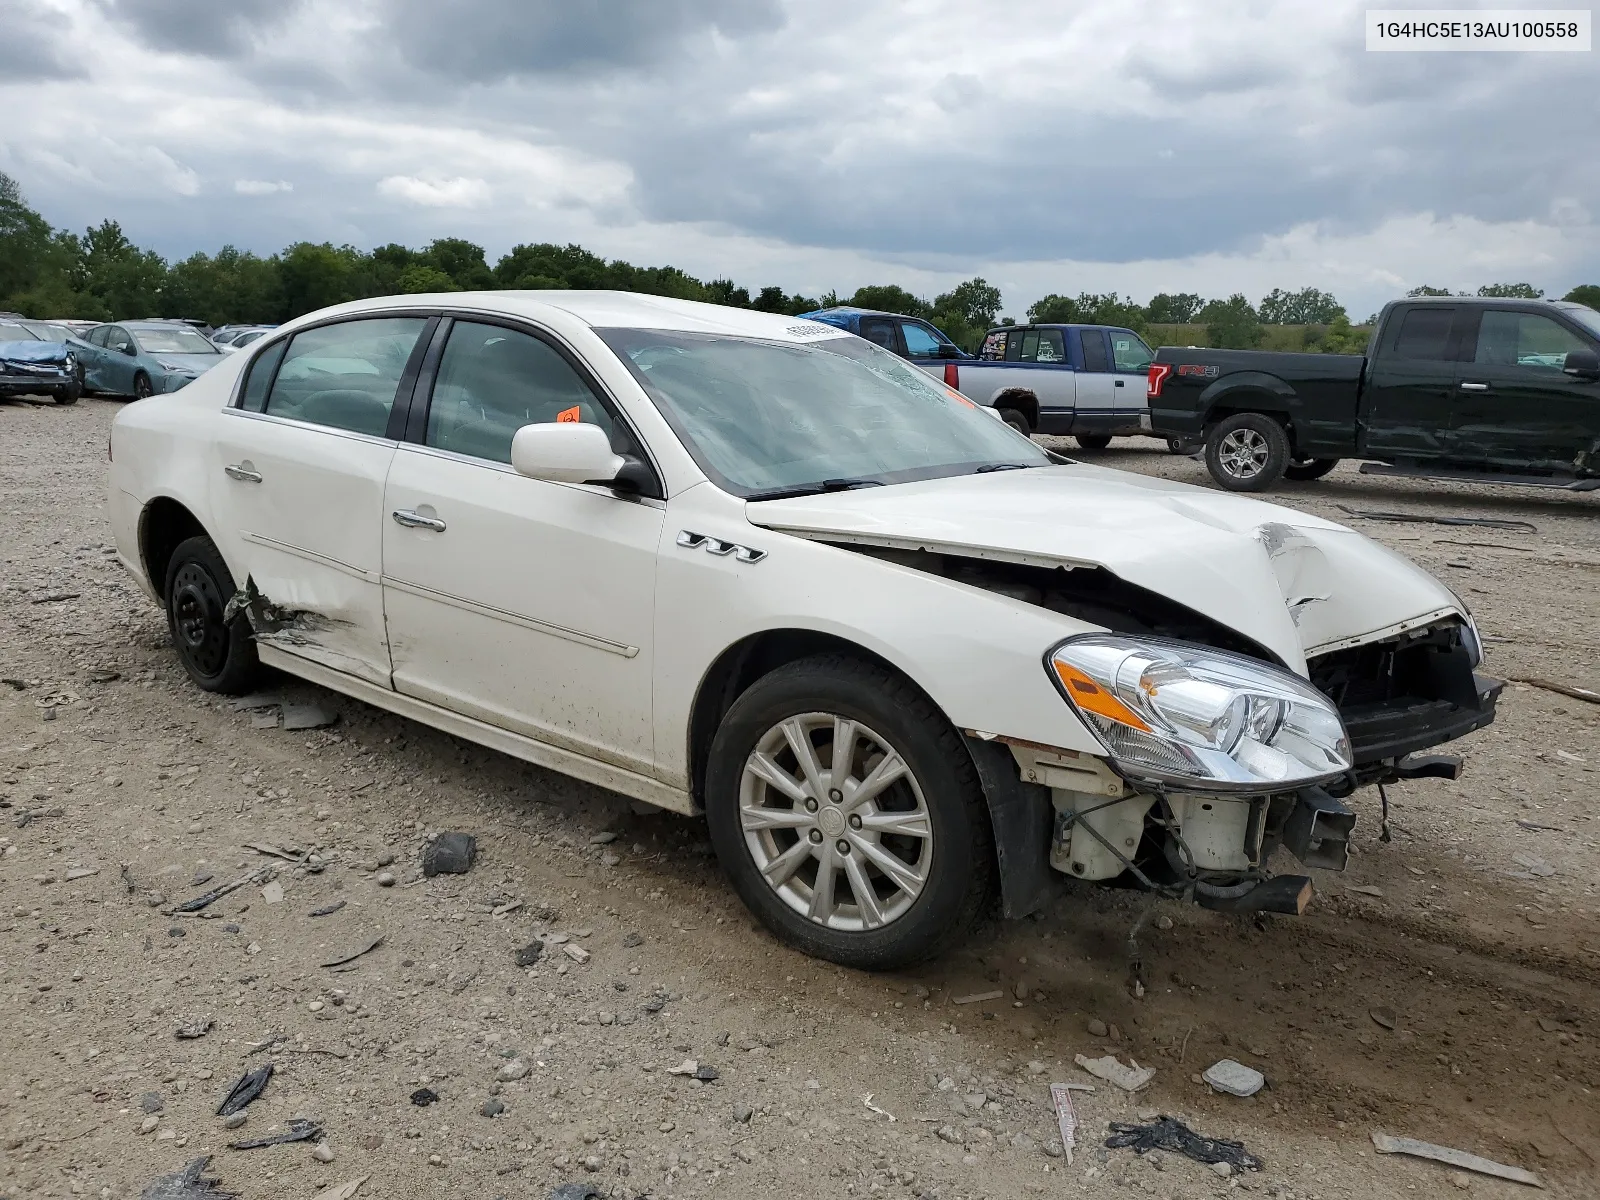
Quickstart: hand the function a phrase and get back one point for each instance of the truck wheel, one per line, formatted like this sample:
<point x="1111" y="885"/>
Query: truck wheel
<point x="1093" y="441"/>
<point x="1247" y="452"/>
<point x="1304" y="470"/>
<point x="848" y="815"/>
<point x="1016" y="420"/>
<point x="220" y="655"/>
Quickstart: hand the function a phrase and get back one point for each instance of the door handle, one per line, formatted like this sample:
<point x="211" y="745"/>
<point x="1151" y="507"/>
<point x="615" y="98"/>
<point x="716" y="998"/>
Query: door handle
<point x="414" y="520"/>
<point x="1468" y="386"/>
<point x="1119" y="383"/>
<point x="240" y="473"/>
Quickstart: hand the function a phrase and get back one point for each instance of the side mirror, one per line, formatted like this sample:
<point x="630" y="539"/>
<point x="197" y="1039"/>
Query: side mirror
<point x="127" y="348"/>
<point x="1585" y="364"/>
<point x="948" y="351"/>
<point x="565" y="452"/>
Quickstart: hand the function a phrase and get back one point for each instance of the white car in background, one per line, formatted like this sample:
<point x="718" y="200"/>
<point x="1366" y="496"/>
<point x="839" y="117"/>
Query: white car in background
<point x="753" y="566"/>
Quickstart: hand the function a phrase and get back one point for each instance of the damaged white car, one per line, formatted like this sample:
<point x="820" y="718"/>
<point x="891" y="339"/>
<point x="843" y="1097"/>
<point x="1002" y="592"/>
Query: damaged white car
<point x="750" y="565"/>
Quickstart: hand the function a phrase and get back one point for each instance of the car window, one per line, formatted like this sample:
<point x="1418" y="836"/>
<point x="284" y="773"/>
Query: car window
<point x="1128" y="351"/>
<point x="345" y="375"/>
<point x="97" y="335"/>
<point x="1041" y="346"/>
<point x="254" y="396"/>
<point x="880" y="331"/>
<point x="1094" y="350"/>
<point x="1524" y="339"/>
<point x="920" y="340"/>
<point x="1425" y="334"/>
<point x="117" y="339"/>
<point x="994" y="346"/>
<point x="492" y="381"/>
<point x="244" y="339"/>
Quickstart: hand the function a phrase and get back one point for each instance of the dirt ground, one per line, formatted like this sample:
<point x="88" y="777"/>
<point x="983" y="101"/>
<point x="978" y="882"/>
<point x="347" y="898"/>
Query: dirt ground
<point x="1474" y="933"/>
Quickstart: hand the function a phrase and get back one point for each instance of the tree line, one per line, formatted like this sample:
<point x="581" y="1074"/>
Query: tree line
<point x="101" y="275"/>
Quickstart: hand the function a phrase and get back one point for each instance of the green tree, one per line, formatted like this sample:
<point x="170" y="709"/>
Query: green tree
<point x="1089" y="308"/>
<point x="422" y="278"/>
<point x="26" y="246"/>
<point x="316" y="275"/>
<point x="1231" y="323"/>
<point x="725" y="291"/>
<point x="1511" y="291"/>
<point x="462" y="261"/>
<point x="1425" y="290"/>
<point x="1173" y="308"/>
<point x="1308" y="306"/>
<point x="890" y="298"/>
<point x="231" y="287"/>
<point x="1586" y="293"/>
<point x="1340" y="337"/>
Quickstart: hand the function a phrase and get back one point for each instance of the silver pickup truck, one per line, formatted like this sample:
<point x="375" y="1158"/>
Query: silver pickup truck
<point x="1085" y="380"/>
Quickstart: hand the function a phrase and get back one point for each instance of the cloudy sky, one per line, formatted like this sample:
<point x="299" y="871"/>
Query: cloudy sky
<point x="1134" y="145"/>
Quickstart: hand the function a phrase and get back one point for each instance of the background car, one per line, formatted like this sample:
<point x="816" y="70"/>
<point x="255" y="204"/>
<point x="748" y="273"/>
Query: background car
<point x="142" y="358"/>
<point x="34" y="363"/>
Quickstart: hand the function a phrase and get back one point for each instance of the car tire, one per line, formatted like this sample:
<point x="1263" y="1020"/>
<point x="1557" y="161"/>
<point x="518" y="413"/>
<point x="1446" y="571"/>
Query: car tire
<point x="218" y="653"/>
<point x="1247" y="452"/>
<point x="68" y="394"/>
<point x="1016" y="420"/>
<point x="1093" y="441"/>
<point x="1304" y="470"/>
<point x="940" y="851"/>
<point x="141" y="386"/>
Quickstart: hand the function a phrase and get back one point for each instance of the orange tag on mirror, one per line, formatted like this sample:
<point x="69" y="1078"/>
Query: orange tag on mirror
<point x="570" y="416"/>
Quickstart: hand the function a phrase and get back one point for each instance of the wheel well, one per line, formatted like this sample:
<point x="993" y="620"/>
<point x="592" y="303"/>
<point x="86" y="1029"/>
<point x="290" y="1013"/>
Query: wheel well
<point x="1025" y="403"/>
<point x="163" y="526"/>
<point x="1223" y="411"/>
<point x="739" y="666"/>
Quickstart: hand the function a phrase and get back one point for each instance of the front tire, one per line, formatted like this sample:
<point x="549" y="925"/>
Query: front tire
<point x="1093" y="441"/>
<point x="1247" y="452"/>
<point x="1306" y="469"/>
<point x="219" y="654"/>
<point x="141" y="387"/>
<point x="875" y="863"/>
<point x="1016" y="420"/>
<point x="68" y="394"/>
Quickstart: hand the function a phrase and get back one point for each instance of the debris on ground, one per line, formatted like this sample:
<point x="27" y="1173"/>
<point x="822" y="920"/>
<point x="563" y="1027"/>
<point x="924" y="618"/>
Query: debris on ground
<point x="1576" y="693"/>
<point x="1533" y="867"/>
<point x="307" y="716"/>
<point x="1455" y="1158"/>
<point x="191" y="1030"/>
<point x="208" y="898"/>
<point x="687" y="1067"/>
<point x="978" y="997"/>
<point x="300" y="1130"/>
<point x="250" y="1085"/>
<point x="576" y="953"/>
<point x="577" y="1191"/>
<point x="1174" y="1137"/>
<point x="343" y="1191"/>
<point x="1129" y="1079"/>
<point x="423" y="1097"/>
<point x="272" y="893"/>
<point x="187" y="1184"/>
<point x="1066" y="1117"/>
<point x="288" y="855"/>
<point x="1367" y="514"/>
<point x="867" y="1100"/>
<point x="1234" y="1078"/>
<point x="327" y="910"/>
<point x="449" y="854"/>
<point x="354" y="954"/>
<point x="530" y="953"/>
<point x="255" y="701"/>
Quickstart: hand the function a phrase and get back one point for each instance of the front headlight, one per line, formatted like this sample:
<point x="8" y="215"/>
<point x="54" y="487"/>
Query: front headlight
<point x="1190" y="716"/>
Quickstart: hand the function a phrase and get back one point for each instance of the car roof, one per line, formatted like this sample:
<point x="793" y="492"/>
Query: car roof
<point x="612" y="310"/>
<point x="850" y="310"/>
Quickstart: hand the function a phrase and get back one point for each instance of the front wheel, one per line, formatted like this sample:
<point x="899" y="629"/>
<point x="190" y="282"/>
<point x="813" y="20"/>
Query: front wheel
<point x="141" y="386"/>
<point x="1304" y="470"/>
<point x="1247" y="452"/>
<point x="1016" y="420"/>
<point x="218" y="653"/>
<point x="1094" y="441"/>
<point x="68" y="394"/>
<point x="846" y="811"/>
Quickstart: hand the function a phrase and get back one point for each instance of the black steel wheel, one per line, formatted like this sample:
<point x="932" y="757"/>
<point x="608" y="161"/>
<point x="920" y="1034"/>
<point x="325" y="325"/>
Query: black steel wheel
<point x="218" y="653"/>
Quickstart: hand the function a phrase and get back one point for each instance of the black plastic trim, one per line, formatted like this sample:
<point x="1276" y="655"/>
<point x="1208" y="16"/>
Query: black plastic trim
<point x="1021" y="816"/>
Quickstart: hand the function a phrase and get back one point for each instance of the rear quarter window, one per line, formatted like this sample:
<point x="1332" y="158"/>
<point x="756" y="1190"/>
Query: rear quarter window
<point x="1424" y="334"/>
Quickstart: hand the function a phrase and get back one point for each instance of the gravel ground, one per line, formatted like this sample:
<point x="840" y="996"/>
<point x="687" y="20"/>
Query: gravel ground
<point x="124" y="790"/>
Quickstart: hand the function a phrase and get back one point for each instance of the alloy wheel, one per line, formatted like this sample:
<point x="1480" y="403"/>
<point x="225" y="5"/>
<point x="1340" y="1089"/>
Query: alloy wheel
<point x="1243" y="453"/>
<point x="836" y="822"/>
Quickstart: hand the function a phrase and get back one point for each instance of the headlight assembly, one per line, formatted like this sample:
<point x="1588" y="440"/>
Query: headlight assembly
<point x="1197" y="718"/>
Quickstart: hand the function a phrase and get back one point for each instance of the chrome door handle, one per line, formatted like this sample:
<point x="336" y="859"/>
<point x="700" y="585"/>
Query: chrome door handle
<point x="235" y="472"/>
<point x="1474" y="387"/>
<point x="413" y="520"/>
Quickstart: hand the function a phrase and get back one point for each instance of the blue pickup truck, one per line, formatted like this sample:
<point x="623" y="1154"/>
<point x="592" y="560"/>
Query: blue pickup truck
<point x="1088" y="381"/>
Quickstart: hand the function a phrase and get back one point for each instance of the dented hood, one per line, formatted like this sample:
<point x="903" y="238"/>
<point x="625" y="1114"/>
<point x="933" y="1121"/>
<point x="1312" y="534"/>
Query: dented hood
<point x="1296" y="584"/>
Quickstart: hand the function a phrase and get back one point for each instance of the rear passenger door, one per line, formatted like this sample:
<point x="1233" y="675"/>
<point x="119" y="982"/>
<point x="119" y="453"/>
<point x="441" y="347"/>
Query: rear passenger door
<point x="298" y="471"/>
<point x="1408" y="399"/>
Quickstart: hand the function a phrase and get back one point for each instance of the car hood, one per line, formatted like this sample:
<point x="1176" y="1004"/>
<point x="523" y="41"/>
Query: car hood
<point x="34" y="352"/>
<point x="1294" y="583"/>
<point x="198" y="363"/>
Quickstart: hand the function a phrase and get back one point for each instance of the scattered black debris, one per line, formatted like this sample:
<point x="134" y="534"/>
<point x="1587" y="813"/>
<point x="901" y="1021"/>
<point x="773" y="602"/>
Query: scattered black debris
<point x="449" y="854"/>
<point x="151" y="1102"/>
<point x="492" y="1108"/>
<point x="299" y="1130"/>
<point x="251" y="1084"/>
<point x="577" y="1191"/>
<point x="1173" y="1136"/>
<point x="530" y="953"/>
<point x="55" y="598"/>
<point x="29" y="815"/>
<point x="217" y="893"/>
<point x="1368" y="514"/>
<point x="630" y="940"/>
<point x="187" y="1184"/>
<point x="707" y="1074"/>
<point x="20" y="685"/>
<point x="1535" y="827"/>
<point x="423" y="1097"/>
<point x="354" y="954"/>
<point x="655" y="1004"/>
<point x="193" y="1029"/>
<point x="104" y="675"/>
<point x="329" y="909"/>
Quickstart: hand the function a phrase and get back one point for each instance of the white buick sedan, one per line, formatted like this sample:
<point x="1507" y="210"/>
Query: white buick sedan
<point x="755" y="567"/>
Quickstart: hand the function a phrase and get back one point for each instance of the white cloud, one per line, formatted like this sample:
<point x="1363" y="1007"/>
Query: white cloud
<point x="261" y="187"/>
<point x="459" y="192"/>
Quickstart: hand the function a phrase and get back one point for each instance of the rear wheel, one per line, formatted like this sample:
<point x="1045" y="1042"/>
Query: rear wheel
<point x="218" y="653"/>
<point x="1016" y="420"/>
<point x="1094" y="441"/>
<point x="848" y="815"/>
<point x="1247" y="452"/>
<point x="1306" y="469"/>
<point x="141" y="386"/>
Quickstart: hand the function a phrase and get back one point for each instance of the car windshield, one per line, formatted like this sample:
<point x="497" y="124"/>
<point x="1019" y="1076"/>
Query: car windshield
<point x="46" y="332"/>
<point x="1587" y="317"/>
<point x="178" y="340"/>
<point x="765" y="417"/>
<point x="10" y="331"/>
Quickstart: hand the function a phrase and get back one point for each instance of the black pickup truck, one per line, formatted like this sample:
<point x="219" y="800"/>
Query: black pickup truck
<point x="1493" y="391"/>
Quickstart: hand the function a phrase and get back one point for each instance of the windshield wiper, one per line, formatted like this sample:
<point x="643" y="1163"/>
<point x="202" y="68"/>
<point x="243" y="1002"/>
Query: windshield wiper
<point x="814" y="489"/>
<point x="989" y="467"/>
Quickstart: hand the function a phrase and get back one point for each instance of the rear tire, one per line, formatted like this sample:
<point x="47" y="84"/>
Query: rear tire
<point x="1306" y="469"/>
<point x="219" y="654"/>
<point x="1094" y="441"/>
<point x="1016" y="420"/>
<point x="770" y="817"/>
<point x="1247" y="452"/>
